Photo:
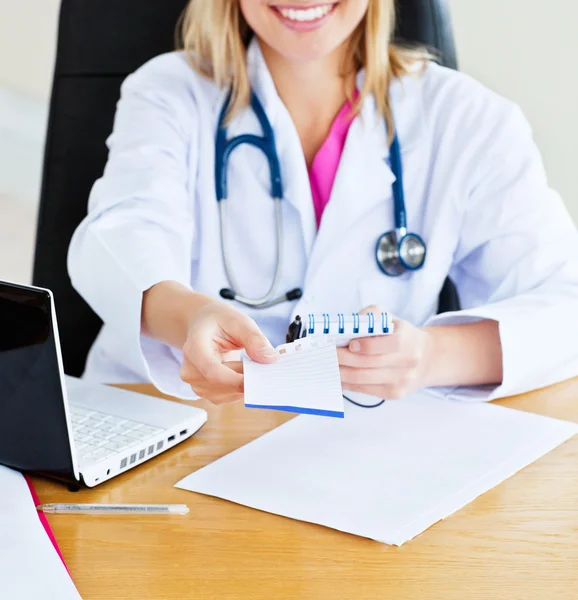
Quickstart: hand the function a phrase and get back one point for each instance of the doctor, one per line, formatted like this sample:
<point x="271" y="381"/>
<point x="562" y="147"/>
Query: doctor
<point x="188" y="250"/>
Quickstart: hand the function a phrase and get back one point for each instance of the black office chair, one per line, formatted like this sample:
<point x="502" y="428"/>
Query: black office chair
<point x="100" y="42"/>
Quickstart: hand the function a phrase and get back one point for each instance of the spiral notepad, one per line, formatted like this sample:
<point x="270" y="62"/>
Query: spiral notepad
<point x="341" y="327"/>
<point x="306" y="377"/>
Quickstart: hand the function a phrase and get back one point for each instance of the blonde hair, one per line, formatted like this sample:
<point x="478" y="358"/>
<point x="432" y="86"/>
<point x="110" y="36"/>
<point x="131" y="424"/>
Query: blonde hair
<point x="215" y="37"/>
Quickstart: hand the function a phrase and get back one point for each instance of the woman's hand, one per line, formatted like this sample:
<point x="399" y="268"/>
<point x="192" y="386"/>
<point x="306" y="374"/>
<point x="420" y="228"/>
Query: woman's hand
<point x="393" y="366"/>
<point x="389" y="366"/>
<point x="216" y="330"/>
<point x="207" y="330"/>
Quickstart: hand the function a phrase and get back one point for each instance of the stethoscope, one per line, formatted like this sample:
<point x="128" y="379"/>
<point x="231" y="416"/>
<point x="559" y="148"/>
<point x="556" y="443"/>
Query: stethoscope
<point x="396" y="252"/>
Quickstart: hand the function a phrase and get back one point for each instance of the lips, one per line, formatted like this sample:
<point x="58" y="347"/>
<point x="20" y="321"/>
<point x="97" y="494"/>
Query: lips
<point x="313" y="13"/>
<point x="304" y="18"/>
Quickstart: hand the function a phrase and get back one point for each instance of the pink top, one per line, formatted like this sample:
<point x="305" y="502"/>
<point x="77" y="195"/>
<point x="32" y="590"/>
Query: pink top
<point x="326" y="161"/>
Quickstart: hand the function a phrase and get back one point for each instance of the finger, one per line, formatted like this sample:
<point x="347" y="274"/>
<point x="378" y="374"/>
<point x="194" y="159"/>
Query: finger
<point x="351" y="375"/>
<point x="221" y="399"/>
<point x="199" y="366"/>
<point x="216" y="396"/>
<point x="372" y="308"/>
<point x="231" y="356"/>
<point x="379" y="344"/>
<point x="247" y="334"/>
<point x="209" y="391"/>
<point x="204" y="387"/>
<point x="236" y="366"/>
<point x="373" y="361"/>
<point x="379" y="391"/>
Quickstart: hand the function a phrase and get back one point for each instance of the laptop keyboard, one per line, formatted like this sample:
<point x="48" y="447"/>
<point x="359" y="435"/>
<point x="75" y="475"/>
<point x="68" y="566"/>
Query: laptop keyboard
<point x="100" y="435"/>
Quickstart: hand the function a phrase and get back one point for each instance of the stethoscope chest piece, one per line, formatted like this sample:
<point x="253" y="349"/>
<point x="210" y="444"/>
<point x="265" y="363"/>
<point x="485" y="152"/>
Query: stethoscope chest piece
<point x="397" y="252"/>
<point x="412" y="252"/>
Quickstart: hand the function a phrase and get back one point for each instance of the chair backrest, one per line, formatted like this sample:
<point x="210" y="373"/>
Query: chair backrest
<point x="99" y="44"/>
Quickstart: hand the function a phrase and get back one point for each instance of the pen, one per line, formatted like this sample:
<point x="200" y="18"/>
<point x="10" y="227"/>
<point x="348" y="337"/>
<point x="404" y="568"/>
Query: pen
<point x="114" y="509"/>
<point x="294" y="330"/>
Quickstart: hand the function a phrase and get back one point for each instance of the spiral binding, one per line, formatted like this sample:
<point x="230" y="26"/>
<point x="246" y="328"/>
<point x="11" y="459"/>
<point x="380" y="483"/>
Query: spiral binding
<point x="341" y="323"/>
<point x="371" y="328"/>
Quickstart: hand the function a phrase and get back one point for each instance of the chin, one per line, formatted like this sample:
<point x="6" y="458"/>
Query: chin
<point x="299" y="50"/>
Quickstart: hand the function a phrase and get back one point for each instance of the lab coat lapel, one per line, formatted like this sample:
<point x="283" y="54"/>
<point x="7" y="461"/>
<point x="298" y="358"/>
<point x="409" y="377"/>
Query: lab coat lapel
<point x="295" y="178"/>
<point x="364" y="177"/>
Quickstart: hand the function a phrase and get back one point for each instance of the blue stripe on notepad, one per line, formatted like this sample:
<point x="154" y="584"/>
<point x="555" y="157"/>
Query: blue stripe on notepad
<point x="303" y="411"/>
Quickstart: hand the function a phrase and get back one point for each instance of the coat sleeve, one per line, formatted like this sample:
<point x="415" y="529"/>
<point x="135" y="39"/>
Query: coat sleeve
<point x="139" y="228"/>
<point x="517" y="263"/>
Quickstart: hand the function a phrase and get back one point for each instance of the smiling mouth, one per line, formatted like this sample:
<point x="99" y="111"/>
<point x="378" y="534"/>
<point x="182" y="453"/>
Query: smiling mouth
<point x="311" y="14"/>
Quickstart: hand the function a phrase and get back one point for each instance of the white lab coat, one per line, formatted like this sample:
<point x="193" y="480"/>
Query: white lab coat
<point x="476" y="192"/>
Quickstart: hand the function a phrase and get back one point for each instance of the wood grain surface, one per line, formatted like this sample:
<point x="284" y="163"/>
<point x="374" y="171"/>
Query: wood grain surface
<point x="517" y="542"/>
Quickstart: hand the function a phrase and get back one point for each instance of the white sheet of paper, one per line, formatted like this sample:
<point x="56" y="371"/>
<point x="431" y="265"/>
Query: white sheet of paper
<point x="29" y="565"/>
<point x="387" y="473"/>
<point x="305" y="380"/>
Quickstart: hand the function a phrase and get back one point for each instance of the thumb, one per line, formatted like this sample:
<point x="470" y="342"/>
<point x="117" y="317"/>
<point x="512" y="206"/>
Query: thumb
<point x="371" y="309"/>
<point x="248" y="336"/>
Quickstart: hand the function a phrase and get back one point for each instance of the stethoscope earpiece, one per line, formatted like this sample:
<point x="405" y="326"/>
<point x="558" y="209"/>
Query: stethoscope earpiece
<point x="227" y="294"/>
<point x="295" y="294"/>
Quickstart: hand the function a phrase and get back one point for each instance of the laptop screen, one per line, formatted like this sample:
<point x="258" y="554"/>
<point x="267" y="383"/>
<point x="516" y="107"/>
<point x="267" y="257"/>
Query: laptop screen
<point x="33" y="431"/>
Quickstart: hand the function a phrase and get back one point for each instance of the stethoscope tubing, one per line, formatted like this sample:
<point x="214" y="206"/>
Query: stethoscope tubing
<point x="393" y="241"/>
<point x="265" y="301"/>
<point x="266" y="144"/>
<point x="399" y="209"/>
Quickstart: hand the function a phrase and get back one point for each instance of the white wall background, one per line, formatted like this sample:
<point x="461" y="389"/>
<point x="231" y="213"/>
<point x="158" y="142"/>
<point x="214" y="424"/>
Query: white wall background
<point x="27" y="43"/>
<point x="526" y="50"/>
<point x="27" y="46"/>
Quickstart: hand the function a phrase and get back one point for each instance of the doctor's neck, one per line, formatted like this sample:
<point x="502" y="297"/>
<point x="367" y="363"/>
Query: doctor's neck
<point x="313" y="91"/>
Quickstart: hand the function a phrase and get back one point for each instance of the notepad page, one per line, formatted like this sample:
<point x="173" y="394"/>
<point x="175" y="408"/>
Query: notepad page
<point x="305" y="379"/>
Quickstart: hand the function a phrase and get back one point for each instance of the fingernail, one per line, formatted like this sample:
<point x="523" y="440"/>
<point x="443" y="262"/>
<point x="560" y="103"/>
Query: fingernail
<point x="355" y="346"/>
<point x="268" y="351"/>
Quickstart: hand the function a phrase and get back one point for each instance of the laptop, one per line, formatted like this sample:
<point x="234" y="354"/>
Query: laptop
<point x="66" y="428"/>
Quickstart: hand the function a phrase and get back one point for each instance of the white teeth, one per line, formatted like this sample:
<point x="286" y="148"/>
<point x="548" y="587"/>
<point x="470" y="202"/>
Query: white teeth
<point x="308" y="14"/>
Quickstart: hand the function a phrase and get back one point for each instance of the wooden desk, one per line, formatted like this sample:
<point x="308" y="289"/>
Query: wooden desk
<point x="517" y="542"/>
